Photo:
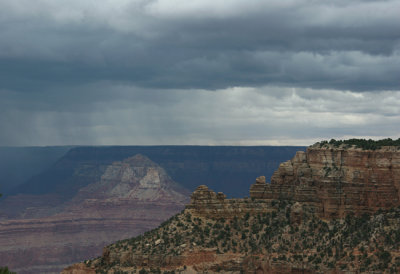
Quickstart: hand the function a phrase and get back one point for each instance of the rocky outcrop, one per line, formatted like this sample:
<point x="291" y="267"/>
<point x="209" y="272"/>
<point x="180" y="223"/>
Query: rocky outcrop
<point x="331" y="181"/>
<point x="206" y="203"/>
<point x="80" y="268"/>
<point x="335" y="181"/>
<point x="131" y="197"/>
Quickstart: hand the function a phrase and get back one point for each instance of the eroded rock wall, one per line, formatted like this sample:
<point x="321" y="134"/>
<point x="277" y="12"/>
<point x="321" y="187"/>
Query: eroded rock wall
<point x="335" y="181"/>
<point x="206" y="203"/>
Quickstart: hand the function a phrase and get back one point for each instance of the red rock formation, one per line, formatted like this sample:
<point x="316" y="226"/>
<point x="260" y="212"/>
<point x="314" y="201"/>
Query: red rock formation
<point x="205" y="202"/>
<point x="337" y="180"/>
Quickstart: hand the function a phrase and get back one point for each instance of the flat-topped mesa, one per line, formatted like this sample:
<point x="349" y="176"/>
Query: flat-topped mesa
<point x="335" y="181"/>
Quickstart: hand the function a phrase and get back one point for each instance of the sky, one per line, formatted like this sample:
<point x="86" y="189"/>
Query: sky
<point x="199" y="72"/>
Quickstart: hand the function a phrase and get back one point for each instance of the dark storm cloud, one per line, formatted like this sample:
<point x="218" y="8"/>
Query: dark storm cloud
<point x="351" y="45"/>
<point x="197" y="72"/>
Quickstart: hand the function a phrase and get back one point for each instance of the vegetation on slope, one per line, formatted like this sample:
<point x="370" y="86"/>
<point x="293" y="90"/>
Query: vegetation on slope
<point x="362" y="143"/>
<point x="4" y="270"/>
<point x="366" y="243"/>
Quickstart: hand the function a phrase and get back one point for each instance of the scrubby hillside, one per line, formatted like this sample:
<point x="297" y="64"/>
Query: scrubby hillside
<point x="362" y="143"/>
<point x="288" y="239"/>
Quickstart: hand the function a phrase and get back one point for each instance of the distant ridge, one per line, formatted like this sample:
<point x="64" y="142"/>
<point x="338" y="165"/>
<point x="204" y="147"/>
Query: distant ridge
<point x="224" y="168"/>
<point x="18" y="164"/>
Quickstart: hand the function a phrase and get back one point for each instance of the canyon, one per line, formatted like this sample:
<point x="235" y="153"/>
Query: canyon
<point x="131" y="197"/>
<point x="224" y="168"/>
<point x="330" y="209"/>
<point x="73" y="208"/>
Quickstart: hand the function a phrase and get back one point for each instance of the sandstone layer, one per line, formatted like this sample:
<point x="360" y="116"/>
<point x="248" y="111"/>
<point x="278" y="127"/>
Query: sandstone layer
<point x="206" y="203"/>
<point x="335" y="181"/>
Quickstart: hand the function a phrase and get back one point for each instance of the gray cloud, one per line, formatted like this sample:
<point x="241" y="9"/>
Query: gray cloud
<point x="197" y="72"/>
<point x="201" y="44"/>
<point x="265" y="115"/>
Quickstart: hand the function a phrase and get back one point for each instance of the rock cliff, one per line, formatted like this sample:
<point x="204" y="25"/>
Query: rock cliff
<point x="206" y="203"/>
<point x="335" y="181"/>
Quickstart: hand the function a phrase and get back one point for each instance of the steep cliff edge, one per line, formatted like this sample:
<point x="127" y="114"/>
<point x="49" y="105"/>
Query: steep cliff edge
<point x="335" y="181"/>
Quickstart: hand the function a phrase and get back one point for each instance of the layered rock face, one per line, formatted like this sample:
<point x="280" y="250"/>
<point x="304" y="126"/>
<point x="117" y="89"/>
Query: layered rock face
<point x="131" y="197"/>
<point x="335" y="181"/>
<point x="206" y="203"/>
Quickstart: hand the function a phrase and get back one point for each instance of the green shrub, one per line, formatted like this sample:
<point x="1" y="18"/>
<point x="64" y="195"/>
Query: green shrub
<point x="5" y="270"/>
<point x="363" y="143"/>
